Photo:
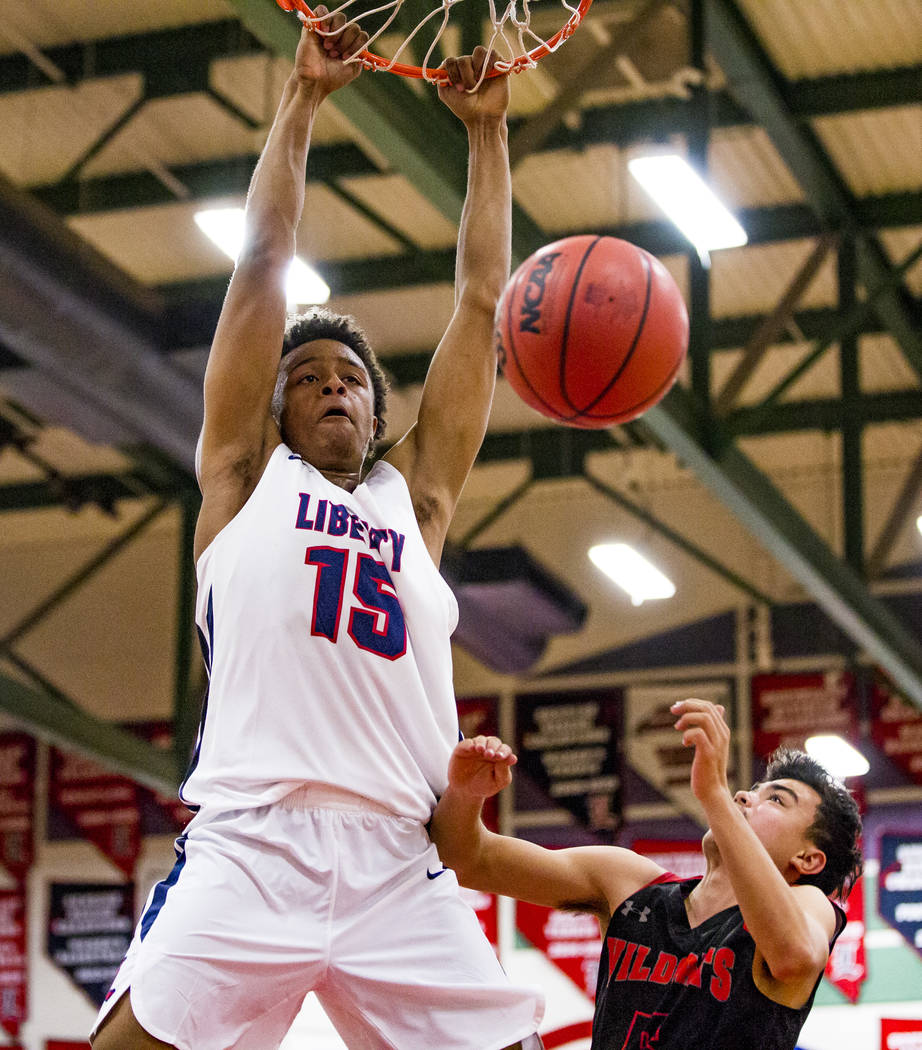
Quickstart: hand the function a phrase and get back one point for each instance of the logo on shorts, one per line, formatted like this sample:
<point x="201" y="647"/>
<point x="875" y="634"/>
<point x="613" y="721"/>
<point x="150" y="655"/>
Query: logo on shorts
<point x="435" y="874"/>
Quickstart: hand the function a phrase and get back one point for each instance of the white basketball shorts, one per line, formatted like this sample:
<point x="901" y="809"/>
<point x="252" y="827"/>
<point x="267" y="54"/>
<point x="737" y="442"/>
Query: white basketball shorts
<point x="331" y="895"/>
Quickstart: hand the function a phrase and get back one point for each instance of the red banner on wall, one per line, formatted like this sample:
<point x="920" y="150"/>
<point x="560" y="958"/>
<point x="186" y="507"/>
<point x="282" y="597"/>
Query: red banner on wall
<point x="847" y="967"/>
<point x="571" y="941"/>
<point x="787" y="708"/>
<point x="900" y="1034"/>
<point x="14" y="974"/>
<point x="896" y="729"/>
<point x="17" y="780"/>
<point x="103" y="807"/>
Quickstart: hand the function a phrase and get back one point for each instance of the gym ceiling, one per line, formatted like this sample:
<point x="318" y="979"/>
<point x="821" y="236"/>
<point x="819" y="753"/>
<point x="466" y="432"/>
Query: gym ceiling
<point x="787" y="464"/>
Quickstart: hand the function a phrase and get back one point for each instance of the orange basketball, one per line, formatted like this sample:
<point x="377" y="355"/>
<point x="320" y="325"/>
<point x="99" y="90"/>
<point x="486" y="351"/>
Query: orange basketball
<point x="591" y="331"/>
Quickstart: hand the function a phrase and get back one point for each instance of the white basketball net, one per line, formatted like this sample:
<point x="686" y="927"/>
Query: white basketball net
<point x="513" y="40"/>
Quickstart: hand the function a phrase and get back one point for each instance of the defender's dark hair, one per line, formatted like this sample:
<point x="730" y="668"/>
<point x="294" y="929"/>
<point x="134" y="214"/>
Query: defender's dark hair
<point x="836" y="827"/>
<point x="321" y="323"/>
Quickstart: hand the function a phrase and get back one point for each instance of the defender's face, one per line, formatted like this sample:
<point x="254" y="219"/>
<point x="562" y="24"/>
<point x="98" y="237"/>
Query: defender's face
<point x="780" y="812"/>
<point x="327" y="405"/>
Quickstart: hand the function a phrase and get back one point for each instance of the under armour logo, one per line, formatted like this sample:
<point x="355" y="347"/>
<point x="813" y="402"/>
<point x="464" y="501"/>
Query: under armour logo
<point x="629" y="909"/>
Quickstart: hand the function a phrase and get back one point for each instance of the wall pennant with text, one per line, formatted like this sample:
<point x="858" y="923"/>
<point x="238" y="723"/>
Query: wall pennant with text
<point x="17" y="803"/>
<point x="569" y="940"/>
<point x="847" y="966"/>
<point x="89" y="930"/>
<point x="568" y="747"/>
<point x="899" y="886"/>
<point x="103" y="808"/>
<point x="14" y="972"/>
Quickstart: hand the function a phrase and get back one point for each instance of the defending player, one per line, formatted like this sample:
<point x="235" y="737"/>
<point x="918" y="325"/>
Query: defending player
<point x="728" y="961"/>
<point x="325" y="624"/>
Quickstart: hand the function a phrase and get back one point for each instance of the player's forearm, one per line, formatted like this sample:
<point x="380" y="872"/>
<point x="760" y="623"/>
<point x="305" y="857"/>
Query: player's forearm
<point x="773" y="917"/>
<point x="482" y="266"/>
<point x="275" y="199"/>
<point x="458" y="833"/>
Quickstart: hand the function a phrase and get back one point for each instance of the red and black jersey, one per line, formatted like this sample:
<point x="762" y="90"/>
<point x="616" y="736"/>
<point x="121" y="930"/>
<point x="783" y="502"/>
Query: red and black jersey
<point x="666" y="986"/>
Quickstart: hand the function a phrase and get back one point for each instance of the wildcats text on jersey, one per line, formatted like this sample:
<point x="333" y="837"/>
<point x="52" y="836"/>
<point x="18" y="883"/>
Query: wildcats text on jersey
<point x="627" y="961"/>
<point x="335" y="519"/>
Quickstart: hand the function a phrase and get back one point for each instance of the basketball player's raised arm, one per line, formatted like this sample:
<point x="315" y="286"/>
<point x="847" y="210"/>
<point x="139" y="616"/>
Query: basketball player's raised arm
<point x="593" y="879"/>
<point x="238" y="433"/>
<point x="436" y="456"/>
<point x="792" y="925"/>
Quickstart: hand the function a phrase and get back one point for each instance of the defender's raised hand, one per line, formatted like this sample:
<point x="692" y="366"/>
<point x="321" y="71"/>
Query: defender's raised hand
<point x="480" y="767"/>
<point x="702" y="726"/>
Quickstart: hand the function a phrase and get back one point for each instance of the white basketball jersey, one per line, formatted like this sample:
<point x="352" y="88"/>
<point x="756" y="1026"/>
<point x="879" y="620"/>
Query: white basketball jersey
<point x="326" y="629"/>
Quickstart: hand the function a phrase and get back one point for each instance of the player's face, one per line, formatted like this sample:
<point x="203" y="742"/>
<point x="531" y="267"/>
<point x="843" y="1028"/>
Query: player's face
<point x="328" y="405"/>
<point x="780" y="812"/>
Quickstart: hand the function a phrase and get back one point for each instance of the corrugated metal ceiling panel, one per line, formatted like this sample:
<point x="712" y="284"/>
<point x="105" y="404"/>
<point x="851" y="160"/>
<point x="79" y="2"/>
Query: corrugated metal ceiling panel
<point x="752" y="280"/>
<point x="572" y="190"/>
<point x="48" y="24"/>
<point x="177" y="130"/>
<point x="747" y="171"/>
<point x="46" y="131"/>
<point x="876" y="151"/>
<point x="883" y="366"/>
<point x="162" y="244"/>
<point x="254" y="83"/>
<point x="399" y="203"/>
<point x="810" y="38"/>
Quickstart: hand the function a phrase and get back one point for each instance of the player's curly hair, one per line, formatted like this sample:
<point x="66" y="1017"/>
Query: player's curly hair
<point x="836" y="827"/>
<point x="320" y="323"/>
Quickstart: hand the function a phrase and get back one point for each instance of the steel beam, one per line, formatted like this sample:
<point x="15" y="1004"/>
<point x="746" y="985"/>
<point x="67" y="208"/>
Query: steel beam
<point x="66" y="726"/>
<point x="761" y="508"/>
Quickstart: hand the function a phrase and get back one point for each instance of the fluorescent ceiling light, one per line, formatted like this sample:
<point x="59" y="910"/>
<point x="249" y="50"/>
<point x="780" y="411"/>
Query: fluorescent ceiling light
<point x="632" y="572"/>
<point x="919" y="523"/>
<point x="224" y="226"/>
<point x="687" y="199"/>
<point x="837" y="756"/>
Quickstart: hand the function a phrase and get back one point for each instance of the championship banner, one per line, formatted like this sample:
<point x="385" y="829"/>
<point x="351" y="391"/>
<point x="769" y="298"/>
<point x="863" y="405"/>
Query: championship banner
<point x="899" y="886"/>
<point x="896" y="729"/>
<point x="477" y="716"/>
<point x="567" y="744"/>
<point x="17" y="780"/>
<point x="900" y="1034"/>
<point x="103" y="807"/>
<point x="570" y="940"/>
<point x="14" y="972"/>
<point x="787" y="708"/>
<point x="655" y="749"/>
<point x="89" y="930"/>
<point x="847" y="966"/>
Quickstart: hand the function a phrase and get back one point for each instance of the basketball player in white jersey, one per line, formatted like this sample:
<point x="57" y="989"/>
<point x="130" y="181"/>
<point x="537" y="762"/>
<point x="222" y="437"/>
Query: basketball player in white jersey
<point x="325" y="625"/>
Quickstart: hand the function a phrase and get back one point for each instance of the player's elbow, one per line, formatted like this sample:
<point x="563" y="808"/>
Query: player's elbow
<point x="480" y="295"/>
<point x="796" y="962"/>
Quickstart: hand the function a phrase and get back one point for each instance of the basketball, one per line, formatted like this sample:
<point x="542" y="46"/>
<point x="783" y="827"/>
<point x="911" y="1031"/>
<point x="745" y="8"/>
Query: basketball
<point x="591" y="331"/>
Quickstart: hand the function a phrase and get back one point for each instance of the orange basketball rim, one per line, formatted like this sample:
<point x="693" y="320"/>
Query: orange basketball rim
<point x="512" y="34"/>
